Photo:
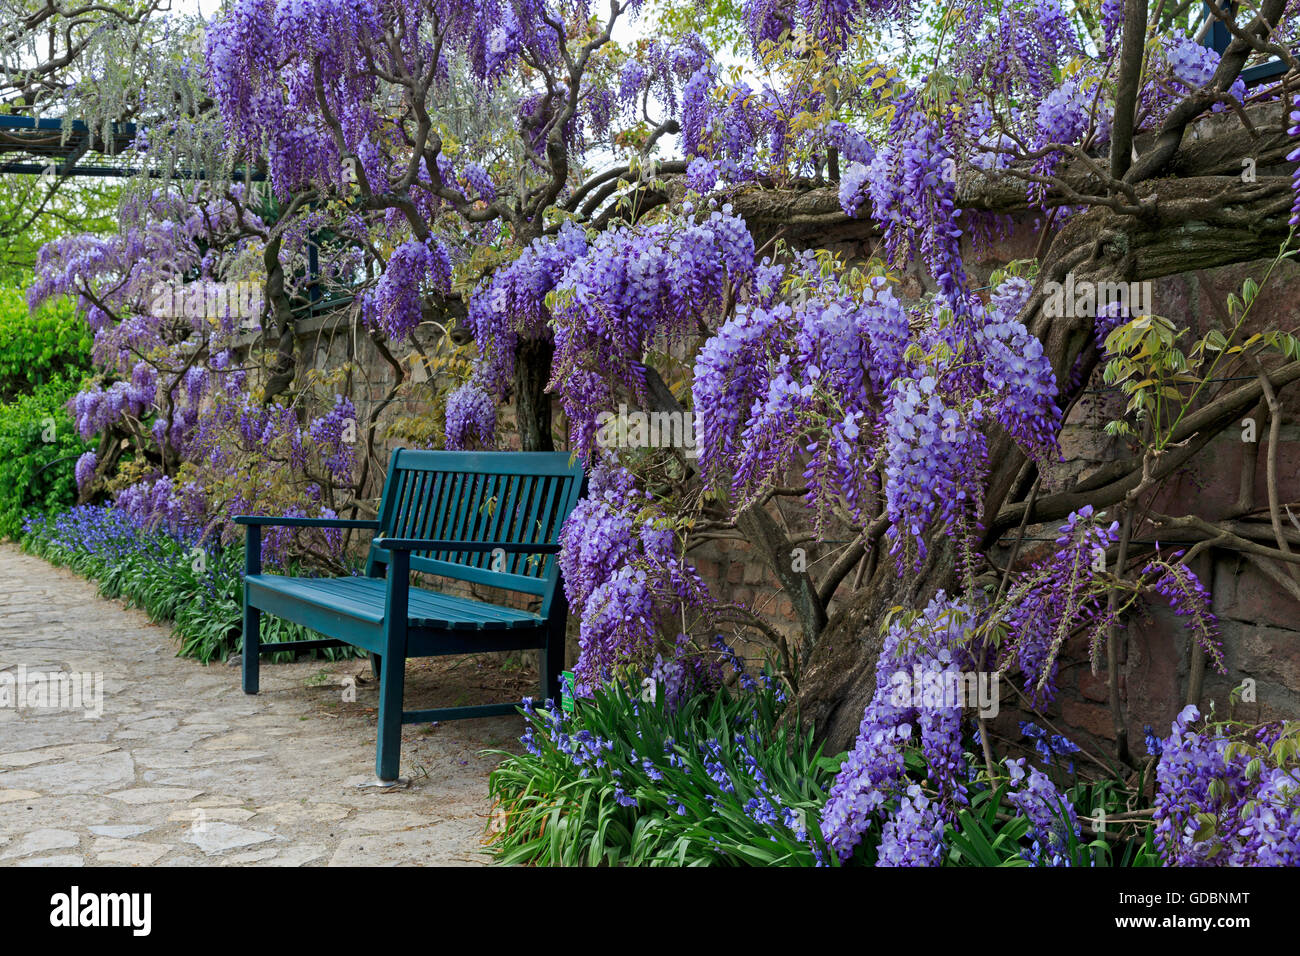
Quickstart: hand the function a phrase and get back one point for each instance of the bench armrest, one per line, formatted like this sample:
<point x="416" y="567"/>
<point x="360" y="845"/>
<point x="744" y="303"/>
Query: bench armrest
<point x="281" y="521"/>
<point x="431" y="544"/>
<point x="255" y="524"/>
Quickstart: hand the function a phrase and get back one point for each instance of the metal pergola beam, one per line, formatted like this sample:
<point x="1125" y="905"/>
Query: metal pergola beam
<point x="40" y="138"/>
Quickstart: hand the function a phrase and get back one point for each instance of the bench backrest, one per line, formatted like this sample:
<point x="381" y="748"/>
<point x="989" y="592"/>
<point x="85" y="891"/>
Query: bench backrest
<point x="498" y="496"/>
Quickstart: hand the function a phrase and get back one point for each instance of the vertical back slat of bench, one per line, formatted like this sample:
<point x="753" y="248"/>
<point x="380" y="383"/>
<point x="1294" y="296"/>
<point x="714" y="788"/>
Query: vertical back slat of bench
<point x="506" y="497"/>
<point x="376" y="562"/>
<point x="503" y="530"/>
<point x="436" y="495"/>
<point x="547" y="531"/>
<point x="456" y="506"/>
<point x="514" y="530"/>
<point x="465" y="514"/>
<point x="530" y="533"/>
<point x="413" y="504"/>
<point x="504" y="486"/>
<point x="489" y="519"/>
<point x="447" y="507"/>
<point x="488" y="510"/>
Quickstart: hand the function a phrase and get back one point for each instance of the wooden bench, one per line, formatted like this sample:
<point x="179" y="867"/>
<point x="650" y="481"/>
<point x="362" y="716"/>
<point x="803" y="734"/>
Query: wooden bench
<point x="488" y="518"/>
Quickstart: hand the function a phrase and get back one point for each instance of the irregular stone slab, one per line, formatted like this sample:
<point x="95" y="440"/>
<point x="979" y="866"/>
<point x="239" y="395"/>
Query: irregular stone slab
<point x="212" y="814"/>
<point x="297" y="812"/>
<point x="144" y="729"/>
<point x="40" y="841"/>
<point x="384" y="820"/>
<point x="27" y="758"/>
<point x="120" y="831"/>
<point x="412" y="847"/>
<point x="232" y="741"/>
<point x="139" y="795"/>
<point x="11" y="796"/>
<point x="129" y="852"/>
<point x="297" y="856"/>
<point x="219" y="837"/>
<point x="179" y="758"/>
<point x="66" y="859"/>
<point x="248" y="859"/>
<point x="85" y="775"/>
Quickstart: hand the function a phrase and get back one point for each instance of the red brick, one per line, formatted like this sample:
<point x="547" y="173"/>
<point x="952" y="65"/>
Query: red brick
<point x="1091" y="686"/>
<point x="1092" y="718"/>
<point x="709" y="570"/>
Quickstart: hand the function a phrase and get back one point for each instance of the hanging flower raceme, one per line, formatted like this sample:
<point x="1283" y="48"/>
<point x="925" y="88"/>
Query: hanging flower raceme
<point x="621" y="568"/>
<point x="415" y="270"/>
<point x="832" y="378"/>
<point x="1052" y="819"/>
<point x="471" y="418"/>
<point x="1055" y="598"/>
<point x="512" y="302"/>
<point x="638" y="287"/>
<point x="780" y="380"/>
<point x="1294" y="157"/>
<point x="917" y="701"/>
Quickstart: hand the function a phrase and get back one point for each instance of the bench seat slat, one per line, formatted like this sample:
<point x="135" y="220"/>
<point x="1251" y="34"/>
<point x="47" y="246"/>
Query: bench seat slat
<point x="363" y="598"/>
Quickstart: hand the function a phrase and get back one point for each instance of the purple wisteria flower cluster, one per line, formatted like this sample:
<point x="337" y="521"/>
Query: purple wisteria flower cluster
<point x="1190" y="599"/>
<point x="635" y="288"/>
<point x="913" y="835"/>
<point x="1052" y="820"/>
<point x="414" y="271"/>
<point x="1054" y="598"/>
<point x="1223" y="800"/>
<point x="872" y="776"/>
<point x="471" y="418"/>
<point x="512" y="302"/>
<point x="828" y="378"/>
<point x="780" y="380"/>
<point x="1294" y="157"/>
<point x="621" y="568"/>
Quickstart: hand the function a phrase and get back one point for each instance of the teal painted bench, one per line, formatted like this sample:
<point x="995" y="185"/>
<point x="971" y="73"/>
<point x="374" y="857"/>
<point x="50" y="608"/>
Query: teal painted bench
<point x="488" y="518"/>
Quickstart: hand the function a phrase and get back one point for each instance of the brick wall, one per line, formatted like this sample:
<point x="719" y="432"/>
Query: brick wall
<point x="1260" y="620"/>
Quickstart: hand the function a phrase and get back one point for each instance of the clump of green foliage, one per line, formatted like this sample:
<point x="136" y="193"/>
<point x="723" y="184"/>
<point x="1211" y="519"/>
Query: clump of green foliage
<point x="196" y="585"/>
<point x="719" y="780"/>
<point x="44" y="356"/>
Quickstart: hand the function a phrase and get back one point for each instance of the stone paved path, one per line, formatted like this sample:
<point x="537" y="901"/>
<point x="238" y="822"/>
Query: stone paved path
<point x="183" y="769"/>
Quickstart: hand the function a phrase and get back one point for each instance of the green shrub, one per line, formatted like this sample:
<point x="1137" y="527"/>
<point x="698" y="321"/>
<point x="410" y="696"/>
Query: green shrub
<point x="39" y="447"/>
<point x="38" y="349"/>
<point x="197" y="587"/>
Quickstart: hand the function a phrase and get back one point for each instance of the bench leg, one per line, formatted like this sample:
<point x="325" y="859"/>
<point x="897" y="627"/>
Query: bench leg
<point x="392" y="678"/>
<point x="252" y="646"/>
